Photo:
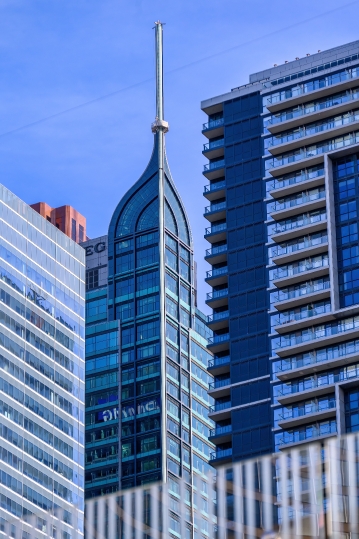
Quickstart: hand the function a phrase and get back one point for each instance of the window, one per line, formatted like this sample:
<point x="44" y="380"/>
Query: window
<point x="124" y="310"/>
<point x="185" y="294"/>
<point x="91" y="279"/>
<point x="147" y="256"/>
<point x="148" y="369"/>
<point x="184" y="254"/>
<point x="173" y="390"/>
<point x="172" y="371"/>
<point x="184" y="270"/>
<point x="184" y="343"/>
<point x="81" y="233"/>
<point x="185" y="317"/>
<point x="73" y="229"/>
<point x="127" y="449"/>
<point x="125" y="287"/>
<point x="124" y="263"/>
<point x="171" y="284"/>
<point x="149" y="386"/>
<point x="171" y="333"/>
<point x="148" y="444"/>
<point x="125" y="245"/>
<point x="172" y="243"/>
<point x="173" y="408"/>
<point x="171" y="307"/>
<point x="147" y="281"/>
<point x="149" y="330"/>
<point x="173" y="447"/>
<point x="128" y="336"/>
<point x="147" y="239"/>
<point x="148" y="305"/>
<point x="171" y="259"/>
<point x="97" y="307"/>
<point x="149" y="423"/>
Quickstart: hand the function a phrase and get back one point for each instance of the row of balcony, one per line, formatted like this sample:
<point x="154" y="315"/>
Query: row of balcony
<point x="311" y="132"/>
<point x="288" y="183"/>
<point x="297" y="200"/>
<point x="302" y="314"/>
<point x="303" y="110"/>
<point x="309" y="432"/>
<point x="308" y="409"/>
<point x="312" y="151"/>
<point x="299" y="221"/>
<point x="300" y="291"/>
<point x="332" y="354"/>
<point x="320" y="262"/>
<point x="319" y="238"/>
<point x="316" y="332"/>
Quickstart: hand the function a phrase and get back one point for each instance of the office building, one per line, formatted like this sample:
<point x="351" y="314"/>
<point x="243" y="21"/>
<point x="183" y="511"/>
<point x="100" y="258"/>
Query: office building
<point x="147" y="400"/>
<point x="65" y="218"/>
<point x="283" y="190"/>
<point x="42" y="326"/>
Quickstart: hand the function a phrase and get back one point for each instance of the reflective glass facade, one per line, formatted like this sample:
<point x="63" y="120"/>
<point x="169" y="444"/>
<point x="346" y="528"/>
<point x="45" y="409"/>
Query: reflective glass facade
<point x="283" y="192"/>
<point x="42" y="352"/>
<point x="147" y="402"/>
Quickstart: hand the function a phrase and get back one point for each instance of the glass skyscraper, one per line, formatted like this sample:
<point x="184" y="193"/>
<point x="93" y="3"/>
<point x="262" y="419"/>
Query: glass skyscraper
<point x="42" y="370"/>
<point x="283" y="190"/>
<point x="147" y="400"/>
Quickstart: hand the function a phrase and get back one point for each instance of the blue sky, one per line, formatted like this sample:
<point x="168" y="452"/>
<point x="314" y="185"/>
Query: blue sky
<point x="59" y="54"/>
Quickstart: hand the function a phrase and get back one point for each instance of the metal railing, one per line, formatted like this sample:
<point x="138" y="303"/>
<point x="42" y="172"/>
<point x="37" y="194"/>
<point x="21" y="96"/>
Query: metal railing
<point x="212" y="124"/>
<point x="301" y="267"/>
<point x="213" y="165"/>
<point x="216" y="272"/>
<point x="216" y="228"/>
<point x="288" y="317"/>
<point x="299" y="222"/>
<point x="293" y="413"/>
<point x="217" y="361"/>
<point x="299" y="292"/>
<point x="215" y="207"/>
<point x="216" y="339"/>
<point x="217" y="294"/>
<point x="221" y="453"/>
<point x="213" y="144"/>
<point x="308" y="491"/>
<point x="219" y="431"/>
<point x="296" y="201"/>
<point x="216" y="250"/>
<point x="218" y="316"/>
<point x="214" y="186"/>
<point x="294" y="247"/>
<point x="219" y="406"/>
<point x="219" y="383"/>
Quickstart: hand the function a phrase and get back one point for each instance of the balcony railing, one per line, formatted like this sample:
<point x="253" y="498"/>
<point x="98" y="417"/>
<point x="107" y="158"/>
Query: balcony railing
<point x="214" y="186"/>
<point x="318" y="356"/>
<point x="215" y="207"/>
<point x="347" y="140"/>
<point x="218" y="431"/>
<point x="299" y="292"/>
<point x="293" y="248"/>
<point x="297" y="201"/>
<point x="216" y="339"/>
<point x="303" y="110"/>
<point x="305" y="132"/>
<point x="287" y="318"/>
<point x="216" y="250"/>
<point x="216" y="228"/>
<point x="217" y="272"/>
<point x="316" y="332"/>
<point x="302" y="220"/>
<point x="213" y="165"/>
<point x="217" y="294"/>
<point x="213" y="123"/>
<point x="301" y="267"/>
<point x="219" y="406"/>
<point x="298" y="177"/>
<point x="312" y="408"/>
<point x="221" y="453"/>
<point x="218" y="316"/>
<point x="313" y="85"/>
<point x="217" y="361"/>
<point x="213" y="144"/>
<point x="309" y="433"/>
<point x="219" y="383"/>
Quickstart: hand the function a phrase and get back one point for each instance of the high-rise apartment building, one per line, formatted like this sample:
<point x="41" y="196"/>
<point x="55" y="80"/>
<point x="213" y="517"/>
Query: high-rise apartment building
<point x="284" y="202"/>
<point x="65" y="218"/>
<point x="42" y="370"/>
<point x="147" y="400"/>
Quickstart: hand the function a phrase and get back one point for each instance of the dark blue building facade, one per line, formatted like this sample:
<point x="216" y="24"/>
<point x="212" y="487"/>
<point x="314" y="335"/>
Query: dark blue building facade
<point x="283" y="213"/>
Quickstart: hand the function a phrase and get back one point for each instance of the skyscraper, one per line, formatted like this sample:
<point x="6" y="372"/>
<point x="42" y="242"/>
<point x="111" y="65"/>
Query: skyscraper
<point x="283" y="170"/>
<point x="146" y="359"/>
<point x="42" y="291"/>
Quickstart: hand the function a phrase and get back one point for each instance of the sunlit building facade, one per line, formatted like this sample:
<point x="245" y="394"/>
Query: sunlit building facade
<point x="283" y="190"/>
<point x="42" y="371"/>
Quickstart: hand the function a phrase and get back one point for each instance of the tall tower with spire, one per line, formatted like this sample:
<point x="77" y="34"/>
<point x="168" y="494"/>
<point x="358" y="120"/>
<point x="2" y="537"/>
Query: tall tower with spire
<point x="147" y="397"/>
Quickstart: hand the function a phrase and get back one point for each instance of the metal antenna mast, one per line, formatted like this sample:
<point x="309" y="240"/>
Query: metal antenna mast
<point x="160" y="127"/>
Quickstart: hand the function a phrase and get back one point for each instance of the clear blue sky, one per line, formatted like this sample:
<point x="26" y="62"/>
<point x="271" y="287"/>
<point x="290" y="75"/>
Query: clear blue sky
<point x="57" y="54"/>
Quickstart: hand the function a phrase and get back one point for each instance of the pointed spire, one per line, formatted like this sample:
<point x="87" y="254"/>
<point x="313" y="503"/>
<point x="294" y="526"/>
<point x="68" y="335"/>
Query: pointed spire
<point x="159" y="123"/>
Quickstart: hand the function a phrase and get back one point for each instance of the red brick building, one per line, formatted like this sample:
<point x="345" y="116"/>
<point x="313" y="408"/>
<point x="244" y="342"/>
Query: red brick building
<point x="66" y="218"/>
